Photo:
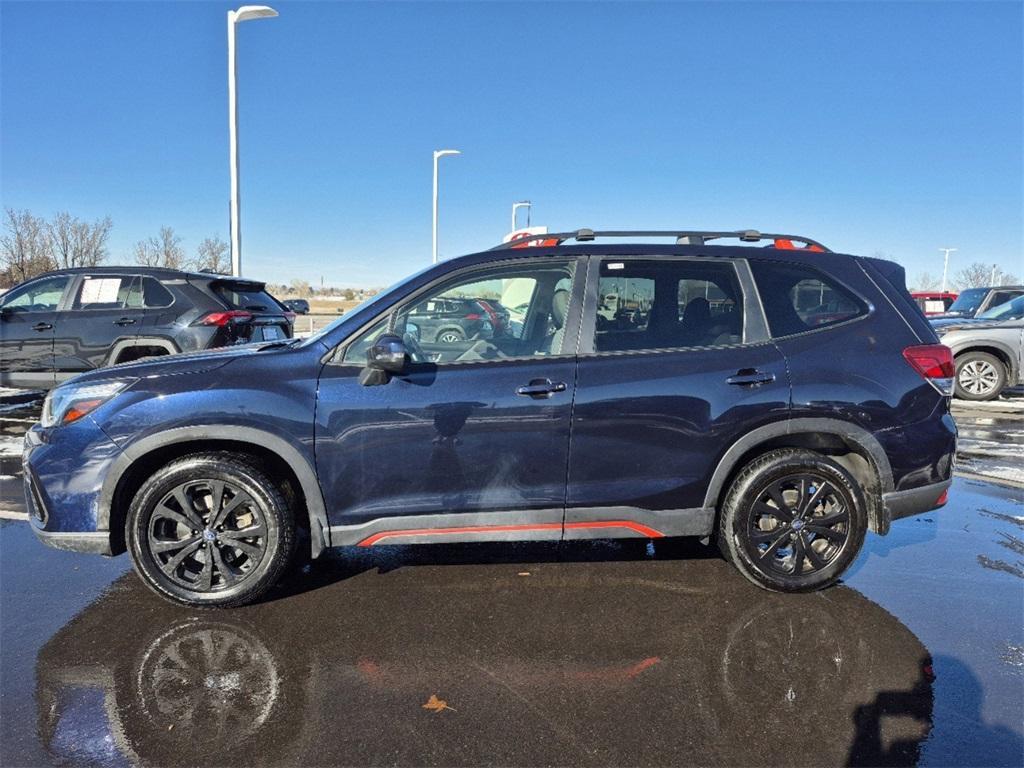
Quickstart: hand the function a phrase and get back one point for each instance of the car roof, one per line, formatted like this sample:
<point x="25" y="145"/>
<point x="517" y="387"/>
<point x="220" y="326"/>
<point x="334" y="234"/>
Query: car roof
<point x="653" y="249"/>
<point x="159" y="272"/>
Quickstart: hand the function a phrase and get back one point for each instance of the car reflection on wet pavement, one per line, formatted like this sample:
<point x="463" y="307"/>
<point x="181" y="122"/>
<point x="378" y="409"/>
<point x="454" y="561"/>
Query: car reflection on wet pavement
<point x="598" y="653"/>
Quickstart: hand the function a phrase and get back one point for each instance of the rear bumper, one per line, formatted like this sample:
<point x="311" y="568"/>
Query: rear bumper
<point x="899" y="504"/>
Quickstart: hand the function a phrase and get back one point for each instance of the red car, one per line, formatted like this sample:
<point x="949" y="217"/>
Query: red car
<point x="934" y="302"/>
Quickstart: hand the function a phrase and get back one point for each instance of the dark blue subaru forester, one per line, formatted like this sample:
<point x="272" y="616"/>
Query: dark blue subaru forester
<point x="782" y="399"/>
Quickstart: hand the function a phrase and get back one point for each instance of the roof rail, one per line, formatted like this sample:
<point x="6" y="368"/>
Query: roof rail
<point x="683" y="237"/>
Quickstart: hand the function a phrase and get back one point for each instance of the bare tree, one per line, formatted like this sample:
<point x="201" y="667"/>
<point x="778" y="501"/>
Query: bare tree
<point x="300" y="288"/>
<point x="212" y="256"/>
<point x="78" y="243"/>
<point x="162" y="251"/>
<point x="925" y="281"/>
<point x="25" y="249"/>
<point x="977" y="275"/>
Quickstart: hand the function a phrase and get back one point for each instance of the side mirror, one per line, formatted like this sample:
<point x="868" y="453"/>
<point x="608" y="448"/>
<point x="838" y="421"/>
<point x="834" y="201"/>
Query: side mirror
<point x="387" y="356"/>
<point x="413" y="330"/>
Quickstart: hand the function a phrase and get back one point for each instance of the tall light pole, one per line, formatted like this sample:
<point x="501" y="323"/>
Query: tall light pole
<point x="245" y="13"/>
<point x="439" y="153"/>
<point x="945" y="265"/>
<point x="515" y="207"/>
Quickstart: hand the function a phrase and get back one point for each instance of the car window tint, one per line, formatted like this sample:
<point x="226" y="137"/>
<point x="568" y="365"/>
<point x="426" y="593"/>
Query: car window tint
<point x="153" y="294"/>
<point x="104" y="292"/>
<point x="499" y="313"/>
<point x="798" y="298"/>
<point x="251" y="297"/>
<point x="39" y="296"/>
<point x="665" y="304"/>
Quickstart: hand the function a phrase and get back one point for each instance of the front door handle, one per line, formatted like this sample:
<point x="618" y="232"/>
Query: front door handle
<point x="750" y="377"/>
<point x="42" y="327"/>
<point x="541" y="388"/>
<point x="124" y="321"/>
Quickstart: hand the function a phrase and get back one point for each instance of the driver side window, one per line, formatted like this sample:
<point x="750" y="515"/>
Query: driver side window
<point x="512" y="311"/>
<point x="38" y="296"/>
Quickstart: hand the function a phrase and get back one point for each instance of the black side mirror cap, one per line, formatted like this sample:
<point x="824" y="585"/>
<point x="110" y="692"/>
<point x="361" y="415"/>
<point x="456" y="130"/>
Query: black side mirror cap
<point x="387" y="356"/>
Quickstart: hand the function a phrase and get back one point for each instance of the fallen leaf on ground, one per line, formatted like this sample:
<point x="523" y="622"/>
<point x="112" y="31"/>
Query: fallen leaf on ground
<point x="436" y="705"/>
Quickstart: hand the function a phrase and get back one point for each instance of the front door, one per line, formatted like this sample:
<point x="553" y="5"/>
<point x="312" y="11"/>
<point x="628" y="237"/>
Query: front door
<point x="471" y="442"/>
<point x="675" y="368"/>
<point x="28" y="318"/>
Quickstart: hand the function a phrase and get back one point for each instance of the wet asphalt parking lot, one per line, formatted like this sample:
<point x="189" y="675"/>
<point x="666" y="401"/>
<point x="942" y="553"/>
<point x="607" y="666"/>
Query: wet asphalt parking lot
<point x="590" y="653"/>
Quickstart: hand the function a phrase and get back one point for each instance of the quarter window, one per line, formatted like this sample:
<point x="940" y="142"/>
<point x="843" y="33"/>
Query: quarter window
<point x="665" y="303"/>
<point x="798" y="299"/>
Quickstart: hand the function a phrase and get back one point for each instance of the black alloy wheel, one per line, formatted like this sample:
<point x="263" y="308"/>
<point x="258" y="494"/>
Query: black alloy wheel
<point x="211" y="530"/>
<point x="793" y="521"/>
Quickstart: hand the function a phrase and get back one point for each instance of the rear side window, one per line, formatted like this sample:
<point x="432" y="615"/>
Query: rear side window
<point x="798" y="299"/>
<point x="105" y="292"/>
<point x="667" y="304"/>
<point x="250" y="297"/>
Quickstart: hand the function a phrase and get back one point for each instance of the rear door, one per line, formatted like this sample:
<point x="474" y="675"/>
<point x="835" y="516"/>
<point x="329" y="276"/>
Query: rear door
<point x="674" y="367"/>
<point x="28" y="319"/>
<point x="269" y="319"/>
<point x="99" y="320"/>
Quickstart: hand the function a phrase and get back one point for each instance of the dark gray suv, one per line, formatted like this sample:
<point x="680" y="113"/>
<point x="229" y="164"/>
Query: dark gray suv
<point x="63" y="323"/>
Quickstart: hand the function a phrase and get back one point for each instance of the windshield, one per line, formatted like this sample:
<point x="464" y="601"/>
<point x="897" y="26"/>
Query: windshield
<point x="969" y="300"/>
<point x="380" y="297"/>
<point x="1011" y="310"/>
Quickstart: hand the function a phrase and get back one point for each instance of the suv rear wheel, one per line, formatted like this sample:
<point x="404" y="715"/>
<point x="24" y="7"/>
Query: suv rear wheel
<point x="210" y="530"/>
<point x="793" y="521"/>
<point x="979" y="376"/>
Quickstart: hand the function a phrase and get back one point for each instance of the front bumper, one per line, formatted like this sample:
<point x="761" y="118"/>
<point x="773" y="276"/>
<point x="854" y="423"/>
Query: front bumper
<point x="63" y="472"/>
<point x="93" y="543"/>
<point x="899" y="504"/>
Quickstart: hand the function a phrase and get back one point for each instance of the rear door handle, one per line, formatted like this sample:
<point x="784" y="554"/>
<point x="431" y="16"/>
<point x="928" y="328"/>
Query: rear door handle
<point x="42" y="327"/>
<point x="124" y="321"/>
<point x="541" y="388"/>
<point x="750" y="377"/>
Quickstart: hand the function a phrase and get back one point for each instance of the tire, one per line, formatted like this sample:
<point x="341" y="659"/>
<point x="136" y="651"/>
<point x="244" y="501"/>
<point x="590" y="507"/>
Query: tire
<point x="450" y="336"/>
<point x="979" y="376"/>
<point x="766" y="548"/>
<point x="213" y="566"/>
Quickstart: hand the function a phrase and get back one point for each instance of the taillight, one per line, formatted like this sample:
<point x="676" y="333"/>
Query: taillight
<point x="223" y="318"/>
<point x="935" y="364"/>
<point x="290" y="317"/>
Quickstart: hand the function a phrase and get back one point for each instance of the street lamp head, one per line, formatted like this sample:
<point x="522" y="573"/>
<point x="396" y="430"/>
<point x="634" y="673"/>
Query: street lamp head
<point x="442" y="152"/>
<point x="247" y="12"/>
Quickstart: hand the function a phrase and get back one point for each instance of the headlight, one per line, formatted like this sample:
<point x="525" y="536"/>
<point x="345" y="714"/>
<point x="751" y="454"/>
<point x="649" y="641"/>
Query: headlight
<point x="70" y="403"/>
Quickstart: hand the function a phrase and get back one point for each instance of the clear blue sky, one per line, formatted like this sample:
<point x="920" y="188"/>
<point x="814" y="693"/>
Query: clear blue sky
<point x="872" y="127"/>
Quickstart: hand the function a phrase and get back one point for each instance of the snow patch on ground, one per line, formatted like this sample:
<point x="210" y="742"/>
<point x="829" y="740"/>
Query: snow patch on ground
<point x="11" y="446"/>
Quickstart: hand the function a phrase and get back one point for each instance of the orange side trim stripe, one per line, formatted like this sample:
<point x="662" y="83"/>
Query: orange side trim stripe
<point x="643" y="530"/>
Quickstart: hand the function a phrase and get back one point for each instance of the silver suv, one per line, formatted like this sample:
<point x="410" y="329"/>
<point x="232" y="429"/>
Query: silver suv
<point x="987" y="351"/>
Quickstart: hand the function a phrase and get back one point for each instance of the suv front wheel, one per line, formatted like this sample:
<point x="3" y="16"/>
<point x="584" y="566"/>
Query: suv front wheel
<point x="210" y="530"/>
<point x="793" y="521"/>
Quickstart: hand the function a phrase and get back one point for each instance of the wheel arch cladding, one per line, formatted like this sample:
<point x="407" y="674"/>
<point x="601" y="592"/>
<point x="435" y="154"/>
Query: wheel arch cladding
<point x="850" y="446"/>
<point x="141" y="459"/>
